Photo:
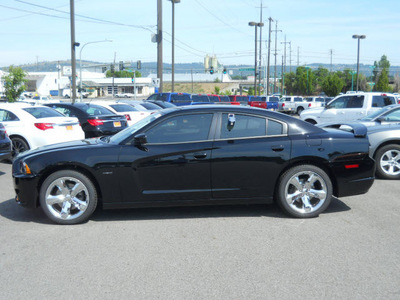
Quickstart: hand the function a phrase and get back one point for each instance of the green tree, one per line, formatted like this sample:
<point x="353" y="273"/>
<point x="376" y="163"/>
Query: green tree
<point x="382" y="84"/>
<point x="290" y="83"/>
<point x="123" y="74"/>
<point x="14" y="83"/>
<point x="332" y="84"/>
<point x="217" y="90"/>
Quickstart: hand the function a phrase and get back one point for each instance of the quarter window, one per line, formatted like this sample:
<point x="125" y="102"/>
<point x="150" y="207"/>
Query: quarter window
<point x="381" y="101"/>
<point x="180" y="129"/>
<point x="6" y="116"/>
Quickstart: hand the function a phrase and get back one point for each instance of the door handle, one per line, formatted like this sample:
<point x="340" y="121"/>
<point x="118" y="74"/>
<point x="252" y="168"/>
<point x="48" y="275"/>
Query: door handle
<point x="278" y="148"/>
<point x="200" y="155"/>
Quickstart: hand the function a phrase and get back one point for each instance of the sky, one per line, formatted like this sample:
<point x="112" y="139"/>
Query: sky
<point x="315" y="30"/>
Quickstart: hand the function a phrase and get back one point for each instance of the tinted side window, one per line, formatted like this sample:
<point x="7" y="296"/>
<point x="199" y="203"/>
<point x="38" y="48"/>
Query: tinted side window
<point x="179" y="129"/>
<point x="339" y="103"/>
<point x="355" y="102"/>
<point x="274" y="128"/>
<point x="381" y="101"/>
<point x="298" y="99"/>
<point x="6" y="116"/>
<point x="245" y="126"/>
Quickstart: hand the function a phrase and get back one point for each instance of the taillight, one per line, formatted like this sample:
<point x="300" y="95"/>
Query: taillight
<point x="128" y="117"/>
<point x="283" y="104"/>
<point x="44" y="126"/>
<point x="309" y="105"/>
<point x="95" y="122"/>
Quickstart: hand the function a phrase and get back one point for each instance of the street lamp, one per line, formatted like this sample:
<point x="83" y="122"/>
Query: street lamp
<point x="255" y="24"/>
<point x="173" y="43"/>
<point x="80" y="61"/>
<point x="358" y="37"/>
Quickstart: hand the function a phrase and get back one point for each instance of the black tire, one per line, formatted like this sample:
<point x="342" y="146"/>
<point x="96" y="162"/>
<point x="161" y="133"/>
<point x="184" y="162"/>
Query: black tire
<point x="69" y="207"/>
<point x="18" y="145"/>
<point x="388" y="162"/>
<point x="302" y="198"/>
<point x="299" y="110"/>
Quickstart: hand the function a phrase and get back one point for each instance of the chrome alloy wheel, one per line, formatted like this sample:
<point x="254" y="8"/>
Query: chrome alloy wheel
<point x="306" y="192"/>
<point x="390" y="162"/>
<point x="67" y="198"/>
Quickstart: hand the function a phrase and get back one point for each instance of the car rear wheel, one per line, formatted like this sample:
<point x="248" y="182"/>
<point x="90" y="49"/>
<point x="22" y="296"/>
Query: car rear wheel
<point x="68" y="197"/>
<point x="388" y="162"/>
<point x="299" y="110"/>
<point x="18" y="145"/>
<point x="304" y="191"/>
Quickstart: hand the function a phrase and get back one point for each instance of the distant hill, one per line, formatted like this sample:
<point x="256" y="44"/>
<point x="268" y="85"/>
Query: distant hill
<point x="198" y="67"/>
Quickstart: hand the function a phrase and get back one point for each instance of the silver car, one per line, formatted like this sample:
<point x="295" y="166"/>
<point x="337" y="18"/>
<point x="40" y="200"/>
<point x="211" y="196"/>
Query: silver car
<point x="384" y="146"/>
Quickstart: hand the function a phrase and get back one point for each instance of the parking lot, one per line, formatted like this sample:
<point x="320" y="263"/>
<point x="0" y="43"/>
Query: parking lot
<point x="234" y="252"/>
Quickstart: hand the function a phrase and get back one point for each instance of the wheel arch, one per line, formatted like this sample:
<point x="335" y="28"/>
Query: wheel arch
<point x="64" y="167"/>
<point x="16" y="135"/>
<point x="310" y="120"/>
<point x="389" y="142"/>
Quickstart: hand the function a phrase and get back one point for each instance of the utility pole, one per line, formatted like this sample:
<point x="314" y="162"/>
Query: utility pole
<point x="283" y="80"/>
<point x="260" y="57"/>
<point x="276" y="50"/>
<point x="285" y="51"/>
<point x="331" y="58"/>
<point x="73" y="56"/>
<point x="269" y="53"/>
<point x="290" y="57"/>
<point x="159" y="45"/>
<point x="298" y="56"/>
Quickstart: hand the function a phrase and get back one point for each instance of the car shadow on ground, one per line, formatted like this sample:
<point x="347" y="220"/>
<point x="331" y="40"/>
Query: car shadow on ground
<point x="12" y="211"/>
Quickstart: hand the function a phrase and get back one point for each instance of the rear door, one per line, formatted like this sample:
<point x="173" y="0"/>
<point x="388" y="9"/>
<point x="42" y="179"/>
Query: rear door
<point x="248" y="157"/>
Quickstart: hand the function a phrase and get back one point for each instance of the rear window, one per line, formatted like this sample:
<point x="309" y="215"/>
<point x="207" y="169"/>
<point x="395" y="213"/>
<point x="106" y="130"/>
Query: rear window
<point x="43" y="112"/>
<point x="214" y="98"/>
<point x="200" y="98"/>
<point x="381" y="101"/>
<point x="180" y="98"/>
<point x="298" y="99"/>
<point x="150" y="106"/>
<point x="225" y="98"/>
<point x="123" y="107"/>
<point x="94" y="110"/>
<point x="273" y="99"/>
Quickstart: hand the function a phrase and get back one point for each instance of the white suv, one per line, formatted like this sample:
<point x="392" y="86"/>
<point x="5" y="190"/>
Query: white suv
<point x="348" y="107"/>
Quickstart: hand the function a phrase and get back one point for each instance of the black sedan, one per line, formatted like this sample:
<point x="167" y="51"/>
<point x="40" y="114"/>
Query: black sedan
<point x="95" y="120"/>
<point x="198" y="155"/>
<point x="5" y="144"/>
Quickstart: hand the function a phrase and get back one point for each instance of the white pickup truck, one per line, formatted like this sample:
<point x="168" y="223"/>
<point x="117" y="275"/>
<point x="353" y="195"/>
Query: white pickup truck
<point x="292" y="104"/>
<point x="348" y="107"/>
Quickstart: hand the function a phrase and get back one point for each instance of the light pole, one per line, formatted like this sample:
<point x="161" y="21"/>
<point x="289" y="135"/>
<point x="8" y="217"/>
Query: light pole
<point x="173" y="43"/>
<point x="255" y="24"/>
<point x="358" y="37"/>
<point x="80" y="61"/>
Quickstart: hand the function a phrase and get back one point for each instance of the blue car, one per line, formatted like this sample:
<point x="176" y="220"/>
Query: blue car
<point x="178" y="99"/>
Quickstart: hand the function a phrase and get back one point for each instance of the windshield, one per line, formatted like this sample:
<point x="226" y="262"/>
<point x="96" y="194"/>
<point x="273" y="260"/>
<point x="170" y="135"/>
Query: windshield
<point x="127" y="132"/>
<point x="375" y="114"/>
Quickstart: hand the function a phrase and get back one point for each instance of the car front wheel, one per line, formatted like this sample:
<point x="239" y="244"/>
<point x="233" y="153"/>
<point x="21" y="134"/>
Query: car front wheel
<point x="388" y="162"/>
<point x="304" y="191"/>
<point x="68" y="197"/>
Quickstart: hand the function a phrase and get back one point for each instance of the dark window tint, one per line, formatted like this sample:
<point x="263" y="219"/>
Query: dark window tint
<point x="225" y="98"/>
<point x="43" y="112"/>
<point x="245" y="126"/>
<point x="355" y="102"/>
<point x="94" y="110"/>
<point x="274" y="128"/>
<point x="180" y="98"/>
<point x="381" y="101"/>
<point x="273" y="99"/>
<point x="200" y="98"/>
<point x="65" y="111"/>
<point x="298" y="99"/>
<point x="153" y="97"/>
<point x="7" y="116"/>
<point x="149" y="106"/>
<point x="214" y="98"/>
<point x="123" y="107"/>
<point x="186" y="128"/>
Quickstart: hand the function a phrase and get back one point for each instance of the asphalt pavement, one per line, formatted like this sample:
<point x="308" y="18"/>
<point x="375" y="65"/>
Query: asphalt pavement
<point x="233" y="252"/>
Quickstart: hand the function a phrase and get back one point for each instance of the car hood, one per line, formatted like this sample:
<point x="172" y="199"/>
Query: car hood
<point x="60" y="146"/>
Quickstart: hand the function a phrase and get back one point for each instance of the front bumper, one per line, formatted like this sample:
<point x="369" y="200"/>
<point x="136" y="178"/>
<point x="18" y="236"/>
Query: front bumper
<point x="26" y="190"/>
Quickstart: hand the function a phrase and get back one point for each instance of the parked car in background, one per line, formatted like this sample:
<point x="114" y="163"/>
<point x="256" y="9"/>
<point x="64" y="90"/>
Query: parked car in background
<point x="224" y="99"/>
<point x="239" y="100"/>
<point x="38" y="100"/>
<point x="292" y="104"/>
<point x="315" y="101"/>
<point x="30" y="127"/>
<point x="162" y="104"/>
<point x="124" y="95"/>
<point x="384" y="143"/>
<point x="267" y="102"/>
<point x="214" y="98"/>
<point x="175" y="98"/>
<point x="348" y="107"/>
<point x="95" y="120"/>
<point x="5" y="144"/>
<point x="200" y="99"/>
<point x="385" y="116"/>
<point x="131" y="113"/>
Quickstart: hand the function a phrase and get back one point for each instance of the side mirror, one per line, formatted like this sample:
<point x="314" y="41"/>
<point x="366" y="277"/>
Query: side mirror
<point x="381" y="119"/>
<point x="231" y="121"/>
<point x="140" y="140"/>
